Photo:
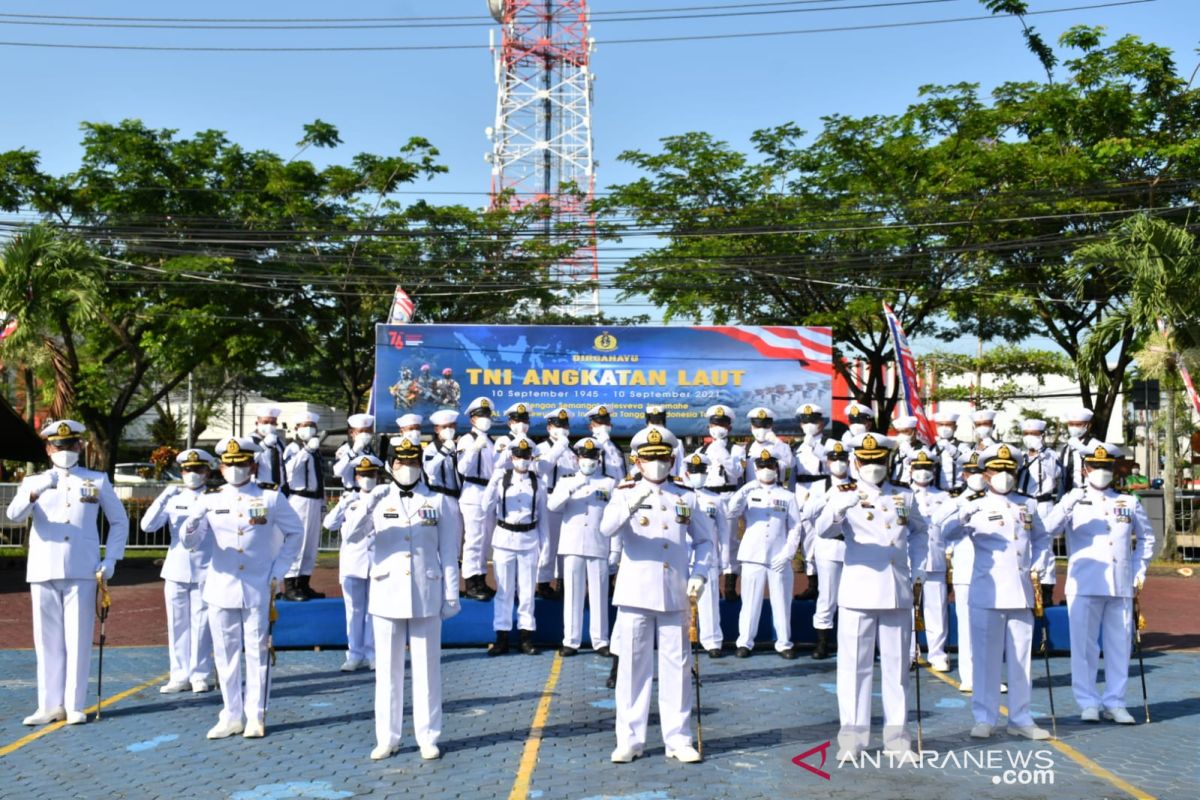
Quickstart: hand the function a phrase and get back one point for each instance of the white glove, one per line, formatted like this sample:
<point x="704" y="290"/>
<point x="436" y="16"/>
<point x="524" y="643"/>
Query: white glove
<point x="1139" y="581"/>
<point x="780" y="562"/>
<point x="502" y="444"/>
<point x="313" y="444"/>
<point x="638" y="494"/>
<point x="843" y="502"/>
<point x="39" y="484"/>
<point x="557" y="434"/>
<point x="614" y="560"/>
<point x="577" y="481"/>
<point x="450" y="608"/>
<point x="270" y="440"/>
<point x="106" y="568"/>
<point x="600" y="436"/>
<point x="478" y="442"/>
<point x="695" y="586"/>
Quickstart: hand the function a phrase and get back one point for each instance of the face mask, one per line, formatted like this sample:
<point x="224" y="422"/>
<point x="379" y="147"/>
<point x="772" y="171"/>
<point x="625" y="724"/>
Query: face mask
<point x="361" y="440"/>
<point x="64" y="458"/>
<point x="1077" y="431"/>
<point x="601" y="432"/>
<point x="1032" y="442"/>
<point x="1100" y="478"/>
<point x="695" y="479"/>
<point x="446" y="435"/>
<point x="521" y="464"/>
<point x="811" y="428"/>
<point x="858" y="428"/>
<point x="656" y="471"/>
<point x="760" y="434"/>
<point x="412" y="436"/>
<point x="766" y="475"/>
<point x="922" y="477"/>
<point x="518" y="428"/>
<point x="305" y="433"/>
<point x="483" y="424"/>
<point x="365" y="484"/>
<point x="976" y="482"/>
<point x="718" y="433"/>
<point x="873" y="473"/>
<point x="1003" y="482"/>
<point x="557" y="434"/>
<point x="838" y="469"/>
<point x="194" y="480"/>
<point x="904" y="436"/>
<point x="588" y="466"/>
<point x="946" y="431"/>
<point x="407" y="474"/>
<point x="265" y="428"/>
<point x="983" y="432"/>
<point x="235" y="475"/>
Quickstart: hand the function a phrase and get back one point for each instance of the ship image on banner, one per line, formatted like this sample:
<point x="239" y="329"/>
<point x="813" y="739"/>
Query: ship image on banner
<point x="421" y="368"/>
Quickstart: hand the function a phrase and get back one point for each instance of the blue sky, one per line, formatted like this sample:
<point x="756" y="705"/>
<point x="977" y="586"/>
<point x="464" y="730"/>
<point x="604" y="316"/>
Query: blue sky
<point x="642" y="93"/>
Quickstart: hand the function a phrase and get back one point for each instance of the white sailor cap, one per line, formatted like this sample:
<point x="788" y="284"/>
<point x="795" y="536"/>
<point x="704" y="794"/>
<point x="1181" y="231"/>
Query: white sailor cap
<point x="587" y="447"/>
<point x="922" y="458"/>
<point x="367" y="463"/>
<point x="598" y="413"/>
<point x="654" y="409"/>
<point x="872" y="447"/>
<point x="61" y="429"/>
<point x="480" y="407"/>
<point x="267" y="410"/>
<point x="559" y="417"/>
<point x="945" y="418"/>
<point x="1000" y="456"/>
<point x="653" y="440"/>
<point x="1082" y="415"/>
<point x="408" y="420"/>
<point x="904" y="423"/>
<point x="836" y="451"/>
<point x="857" y="409"/>
<point x="517" y="411"/>
<point x="810" y="413"/>
<point x="697" y="462"/>
<point x="444" y="416"/>
<point x="360" y="421"/>
<point x="237" y="449"/>
<point x="983" y="415"/>
<point x="521" y="447"/>
<point x="1038" y="425"/>
<point x="720" y="413"/>
<point x="761" y="417"/>
<point x="306" y="418"/>
<point x="195" y="458"/>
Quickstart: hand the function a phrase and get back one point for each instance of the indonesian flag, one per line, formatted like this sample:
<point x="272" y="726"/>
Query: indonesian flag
<point x="402" y="308"/>
<point x="10" y="327"/>
<point x="910" y="387"/>
<point x="1183" y="371"/>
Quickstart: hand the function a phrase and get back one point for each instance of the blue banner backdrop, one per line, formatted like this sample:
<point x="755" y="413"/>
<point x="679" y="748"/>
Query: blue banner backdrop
<point x="422" y="368"/>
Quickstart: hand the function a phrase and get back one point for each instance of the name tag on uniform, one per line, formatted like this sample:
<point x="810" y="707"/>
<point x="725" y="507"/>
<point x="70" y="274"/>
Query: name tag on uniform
<point x="257" y="515"/>
<point x="181" y="508"/>
<point x="428" y="515"/>
<point x="391" y="513"/>
<point x="88" y="493"/>
<point x="221" y="511"/>
<point x="996" y="518"/>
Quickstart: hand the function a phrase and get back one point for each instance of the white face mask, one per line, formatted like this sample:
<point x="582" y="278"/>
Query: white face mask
<point x="305" y="432"/>
<point x="518" y="428"/>
<point x="412" y="436"/>
<point x="760" y="434"/>
<point x="194" y="480"/>
<point x="601" y="432"/>
<point x="1077" y="431"/>
<point x="838" y="469"/>
<point x="1003" y="482"/>
<point x="588" y="466"/>
<point x="656" y="471"/>
<point x="766" y="475"/>
<point x="904" y="436"/>
<point x="361" y="440"/>
<point x="483" y="424"/>
<point x="811" y="428"/>
<point x="365" y="484"/>
<point x="695" y="479"/>
<point x="446" y="435"/>
<point x="873" y="473"/>
<point x="858" y="428"/>
<point x="235" y="475"/>
<point x="976" y="482"/>
<point x="265" y="428"/>
<point x="1100" y="478"/>
<point x="946" y="431"/>
<point x="1032" y="442"/>
<point x="556" y="433"/>
<point x="983" y="432"/>
<point x="718" y="433"/>
<point x="922" y="477"/>
<point x="407" y="474"/>
<point x="521" y="464"/>
<point x="64" y="458"/>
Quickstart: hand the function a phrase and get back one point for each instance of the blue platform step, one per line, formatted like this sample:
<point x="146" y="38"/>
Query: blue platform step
<point x="322" y="623"/>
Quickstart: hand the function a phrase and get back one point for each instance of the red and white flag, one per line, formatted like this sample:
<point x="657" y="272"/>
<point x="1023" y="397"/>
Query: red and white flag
<point x="910" y="387"/>
<point x="402" y="308"/>
<point x="1183" y="371"/>
<point x="10" y="327"/>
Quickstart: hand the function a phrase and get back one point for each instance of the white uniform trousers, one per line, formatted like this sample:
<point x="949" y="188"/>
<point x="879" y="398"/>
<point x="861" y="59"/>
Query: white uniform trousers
<point x="580" y="572"/>
<point x="64" y="612"/>
<point x="933" y="590"/>
<point x="999" y="635"/>
<point x="190" y="646"/>
<point x="829" y="577"/>
<point x="962" y="618"/>
<point x="309" y="511"/>
<point x="708" y="608"/>
<point x="857" y="633"/>
<point x="230" y="627"/>
<point x="515" y="570"/>
<point x="549" y="564"/>
<point x="424" y="638"/>
<point x="477" y="532"/>
<point x="1092" y="616"/>
<point x="636" y="632"/>
<point x="779" y="584"/>
<point x="360" y="639"/>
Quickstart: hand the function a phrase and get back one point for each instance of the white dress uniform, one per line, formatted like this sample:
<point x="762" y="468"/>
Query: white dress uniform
<point x="1110" y="544"/>
<point x="305" y="473"/>
<point x="270" y="461"/>
<point x="905" y="452"/>
<point x="579" y="500"/>
<point x="414" y="585"/>
<point x="554" y="461"/>
<point x="64" y="556"/>
<point x="825" y="554"/>
<point x="809" y="475"/>
<point x="476" y="460"/>
<point x="770" y="541"/>
<point x="724" y="476"/>
<point x="518" y="503"/>
<point x="255" y="536"/>
<point x="189" y="645"/>
<point x="665" y="540"/>
<point x="884" y="533"/>
<point x="349" y="453"/>
<point x="354" y="573"/>
<point x="931" y="500"/>
<point x="1009" y="542"/>
<point x="713" y="501"/>
<point x="961" y="554"/>
<point x="949" y="452"/>
<point x="782" y="453"/>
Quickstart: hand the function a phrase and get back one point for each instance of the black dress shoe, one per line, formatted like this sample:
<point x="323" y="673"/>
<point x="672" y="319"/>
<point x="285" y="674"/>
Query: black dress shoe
<point x="822" y="649"/>
<point x="612" y="674"/>
<point x="544" y="591"/>
<point x="730" y="586"/>
<point x="306" y="588"/>
<point x="789" y="654"/>
<point x="716" y="653"/>
<point x="477" y="589"/>
<point x="567" y="652"/>
<point x="291" y="591"/>
<point x="743" y="652"/>
<point x="527" y="644"/>
<point x="500" y="646"/>
<point x="603" y="650"/>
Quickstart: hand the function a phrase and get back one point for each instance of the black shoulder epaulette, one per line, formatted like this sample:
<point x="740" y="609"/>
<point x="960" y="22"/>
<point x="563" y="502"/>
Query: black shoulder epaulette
<point x="626" y="485"/>
<point x="678" y="481"/>
<point x="212" y="490"/>
<point x="976" y="495"/>
<point x="848" y="487"/>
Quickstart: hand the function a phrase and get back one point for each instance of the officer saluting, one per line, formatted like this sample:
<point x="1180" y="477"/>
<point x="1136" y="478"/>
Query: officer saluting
<point x="664" y="538"/>
<point x="1039" y="480"/>
<point x="476" y="462"/>
<point x="930" y="499"/>
<point x="270" y="461"/>
<point x="1110" y="543"/>
<point x="305" y="479"/>
<point x="962" y="564"/>
<point x="612" y="461"/>
<point x="441" y="457"/>
<point x="823" y="555"/>
<point x="809" y="473"/>
<point x="255" y="537"/>
<point x="64" y="559"/>
<point x="713" y="503"/>
<point x="723" y="477"/>
<point x="762" y="429"/>
<point x="950" y="453"/>
<point x="359" y="442"/>
<point x="885" y="532"/>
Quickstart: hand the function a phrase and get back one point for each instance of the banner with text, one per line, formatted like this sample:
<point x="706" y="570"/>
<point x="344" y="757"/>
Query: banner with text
<point x="421" y="368"/>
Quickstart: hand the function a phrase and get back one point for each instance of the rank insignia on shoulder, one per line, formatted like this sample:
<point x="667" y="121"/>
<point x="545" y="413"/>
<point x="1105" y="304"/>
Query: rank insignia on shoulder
<point x="628" y="484"/>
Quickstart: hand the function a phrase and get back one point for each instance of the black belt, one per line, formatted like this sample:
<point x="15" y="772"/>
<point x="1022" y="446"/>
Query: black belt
<point x="810" y="478"/>
<point x="313" y="495"/>
<point x="726" y="489"/>
<point x="1042" y="498"/>
<point x="520" y="527"/>
<point x="446" y="491"/>
<point x="476" y="481"/>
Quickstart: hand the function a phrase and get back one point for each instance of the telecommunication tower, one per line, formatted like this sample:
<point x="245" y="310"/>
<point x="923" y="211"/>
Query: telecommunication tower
<point x="542" y="139"/>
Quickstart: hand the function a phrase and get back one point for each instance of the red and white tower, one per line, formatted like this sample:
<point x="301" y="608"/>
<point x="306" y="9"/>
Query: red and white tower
<point x="542" y="140"/>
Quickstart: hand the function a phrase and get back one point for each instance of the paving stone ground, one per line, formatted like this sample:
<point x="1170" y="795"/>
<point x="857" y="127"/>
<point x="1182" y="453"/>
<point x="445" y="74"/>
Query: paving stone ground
<point x="758" y="714"/>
